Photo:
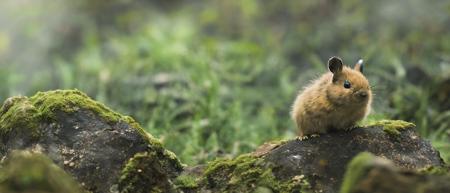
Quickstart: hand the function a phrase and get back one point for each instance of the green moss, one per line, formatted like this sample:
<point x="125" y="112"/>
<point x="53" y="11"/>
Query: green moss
<point x="355" y="170"/>
<point x="368" y="173"/>
<point x="358" y="168"/>
<point x="23" y="114"/>
<point x="434" y="170"/>
<point x="246" y="173"/>
<point x="186" y="182"/>
<point x="33" y="173"/>
<point x="148" y="172"/>
<point x="19" y="115"/>
<point x="50" y="103"/>
<point x="393" y="127"/>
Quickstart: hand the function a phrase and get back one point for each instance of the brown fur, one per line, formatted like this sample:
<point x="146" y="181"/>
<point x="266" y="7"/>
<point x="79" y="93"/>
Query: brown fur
<point x="325" y="104"/>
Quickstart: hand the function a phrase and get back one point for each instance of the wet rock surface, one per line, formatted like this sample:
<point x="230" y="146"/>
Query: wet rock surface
<point x="86" y="139"/>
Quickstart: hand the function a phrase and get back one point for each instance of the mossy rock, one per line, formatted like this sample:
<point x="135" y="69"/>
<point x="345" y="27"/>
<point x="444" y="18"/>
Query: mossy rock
<point x="248" y="173"/>
<point x="367" y="173"/>
<point x="26" y="172"/>
<point x="392" y="127"/>
<point x="82" y="136"/>
<point x="144" y="172"/>
<point x="318" y="164"/>
<point x="187" y="182"/>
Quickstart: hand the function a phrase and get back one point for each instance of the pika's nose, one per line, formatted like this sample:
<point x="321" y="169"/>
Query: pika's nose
<point x="362" y="94"/>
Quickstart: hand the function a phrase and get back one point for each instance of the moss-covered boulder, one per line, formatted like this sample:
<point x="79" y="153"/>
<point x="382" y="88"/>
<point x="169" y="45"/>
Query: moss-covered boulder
<point x="367" y="173"/>
<point x="26" y="172"/>
<point x="96" y="145"/>
<point x="317" y="164"/>
<point x="249" y="173"/>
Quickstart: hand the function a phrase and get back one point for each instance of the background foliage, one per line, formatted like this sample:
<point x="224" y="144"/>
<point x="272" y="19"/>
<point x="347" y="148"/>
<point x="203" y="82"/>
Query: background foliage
<point x="218" y="77"/>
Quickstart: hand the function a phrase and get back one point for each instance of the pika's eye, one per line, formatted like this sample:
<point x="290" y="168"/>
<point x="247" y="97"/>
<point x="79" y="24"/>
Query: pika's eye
<point x="347" y="84"/>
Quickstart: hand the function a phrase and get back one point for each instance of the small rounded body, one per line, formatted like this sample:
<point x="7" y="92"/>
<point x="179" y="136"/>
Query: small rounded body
<point x="335" y="101"/>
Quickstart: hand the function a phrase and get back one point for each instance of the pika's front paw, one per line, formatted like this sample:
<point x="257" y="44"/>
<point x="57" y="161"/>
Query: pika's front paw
<point x="301" y="138"/>
<point x="350" y="128"/>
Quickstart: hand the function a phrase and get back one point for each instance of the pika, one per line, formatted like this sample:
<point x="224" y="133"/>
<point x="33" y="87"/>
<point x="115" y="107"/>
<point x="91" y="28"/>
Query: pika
<point x="335" y="101"/>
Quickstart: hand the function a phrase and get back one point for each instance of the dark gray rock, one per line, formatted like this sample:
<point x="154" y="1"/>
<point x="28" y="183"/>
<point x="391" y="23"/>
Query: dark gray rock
<point x="315" y="164"/>
<point x="323" y="160"/>
<point x="87" y="140"/>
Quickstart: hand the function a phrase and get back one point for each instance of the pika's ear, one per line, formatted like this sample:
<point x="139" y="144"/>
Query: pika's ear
<point x="359" y="66"/>
<point x="335" y="64"/>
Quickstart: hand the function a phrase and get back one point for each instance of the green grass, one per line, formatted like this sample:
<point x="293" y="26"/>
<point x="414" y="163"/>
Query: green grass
<point x="218" y="78"/>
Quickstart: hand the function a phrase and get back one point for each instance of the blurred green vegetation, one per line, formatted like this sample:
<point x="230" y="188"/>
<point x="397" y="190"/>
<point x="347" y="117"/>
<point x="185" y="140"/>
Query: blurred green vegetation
<point x="217" y="78"/>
